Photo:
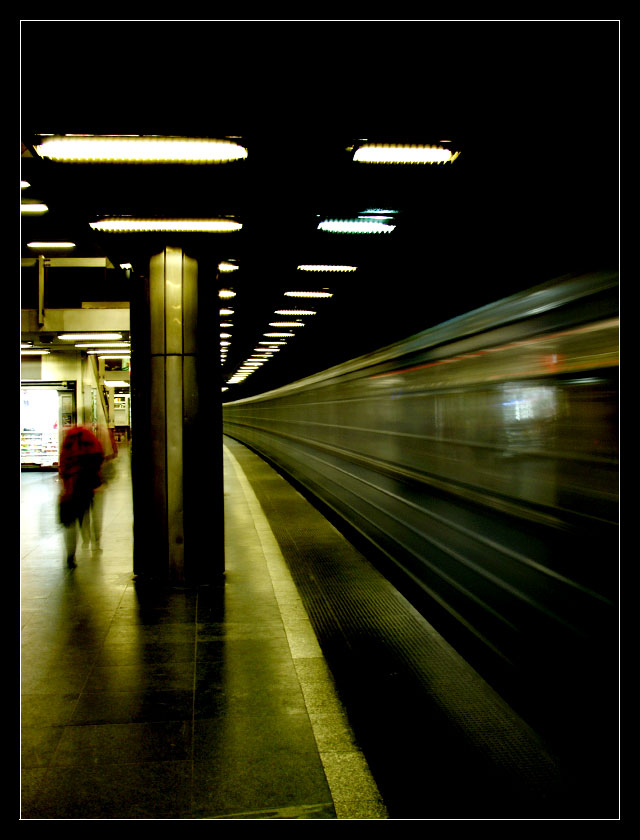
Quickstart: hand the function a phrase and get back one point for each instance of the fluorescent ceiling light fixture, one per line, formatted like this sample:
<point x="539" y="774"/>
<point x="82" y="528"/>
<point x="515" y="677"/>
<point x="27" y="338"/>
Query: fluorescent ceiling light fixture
<point x="226" y="312"/>
<point x="286" y="324"/>
<point x="128" y="224"/>
<point x="295" y="312"/>
<point x="272" y="343"/>
<point x="378" y="153"/>
<point x="368" y="225"/>
<point x="309" y="294"/>
<point x="327" y="268"/>
<point x="225" y="343"/>
<point x="90" y="336"/>
<point x="35" y="352"/>
<point x="33" y="208"/>
<point x="225" y="335"/>
<point x="132" y="149"/>
<point x="226" y="267"/>
<point x="51" y="246"/>
<point x="279" y="335"/>
<point x="226" y="293"/>
<point x="24" y="185"/>
<point x="226" y="325"/>
<point x="126" y="266"/>
<point x="105" y="345"/>
<point x="114" y="355"/>
<point x="116" y="383"/>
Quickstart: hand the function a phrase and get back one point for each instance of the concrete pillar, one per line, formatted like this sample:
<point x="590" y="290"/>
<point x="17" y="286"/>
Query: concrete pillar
<point x="176" y="430"/>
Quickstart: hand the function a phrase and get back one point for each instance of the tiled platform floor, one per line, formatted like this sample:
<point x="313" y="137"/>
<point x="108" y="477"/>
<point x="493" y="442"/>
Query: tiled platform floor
<point x="143" y="703"/>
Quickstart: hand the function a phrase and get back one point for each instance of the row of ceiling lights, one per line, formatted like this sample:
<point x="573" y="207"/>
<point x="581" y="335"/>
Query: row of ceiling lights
<point x="155" y="150"/>
<point x="274" y="339"/>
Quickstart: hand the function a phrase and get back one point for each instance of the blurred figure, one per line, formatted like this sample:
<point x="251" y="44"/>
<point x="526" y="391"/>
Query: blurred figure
<point x="80" y="465"/>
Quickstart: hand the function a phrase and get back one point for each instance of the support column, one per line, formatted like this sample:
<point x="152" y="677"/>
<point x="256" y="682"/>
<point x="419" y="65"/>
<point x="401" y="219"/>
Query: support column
<point x="176" y="432"/>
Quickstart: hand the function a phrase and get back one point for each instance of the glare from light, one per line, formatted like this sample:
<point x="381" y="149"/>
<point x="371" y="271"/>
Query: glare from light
<point x="272" y="343"/>
<point x="327" y="268"/>
<point x="126" y="266"/>
<point x="295" y="312"/>
<point x="372" y="153"/>
<point x="119" y="149"/>
<point x="33" y="208"/>
<point x="130" y="225"/>
<point x="225" y="335"/>
<point x="226" y="326"/>
<point x="309" y="294"/>
<point x="279" y="335"/>
<point x="226" y="267"/>
<point x="224" y="388"/>
<point x="286" y="324"/>
<point x="90" y="336"/>
<point x="355" y="226"/>
<point x="51" y="246"/>
<point x="226" y="311"/>
<point x="24" y="185"/>
<point x="226" y="293"/>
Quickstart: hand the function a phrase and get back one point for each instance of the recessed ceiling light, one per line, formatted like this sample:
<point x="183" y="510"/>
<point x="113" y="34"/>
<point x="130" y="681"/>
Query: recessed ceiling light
<point x="309" y="294"/>
<point x="51" y="246"/>
<point x="90" y="336"/>
<point x="33" y="208"/>
<point x="130" y="225"/>
<point x="379" y="153"/>
<point x="295" y="312"/>
<point x="327" y="268"/>
<point x="368" y="225"/>
<point x="134" y="149"/>
<point x="226" y="293"/>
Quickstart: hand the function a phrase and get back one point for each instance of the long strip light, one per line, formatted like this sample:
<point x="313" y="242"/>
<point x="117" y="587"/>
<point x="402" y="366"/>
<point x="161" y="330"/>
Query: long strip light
<point x="309" y="294"/>
<point x="131" y="225"/>
<point x="51" y="246"/>
<point x="33" y="208"/>
<point x="311" y="267"/>
<point x="408" y="154"/>
<point x="134" y="149"/>
<point x="368" y="225"/>
<point x="90" y="336"/>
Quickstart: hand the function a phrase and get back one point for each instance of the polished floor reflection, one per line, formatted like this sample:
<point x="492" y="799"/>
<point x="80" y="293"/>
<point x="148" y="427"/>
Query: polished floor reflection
<point x="143" y="703"/>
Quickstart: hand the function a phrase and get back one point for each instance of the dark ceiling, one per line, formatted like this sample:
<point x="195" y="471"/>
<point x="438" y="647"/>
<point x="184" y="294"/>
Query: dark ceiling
<point x="532" y="106"/>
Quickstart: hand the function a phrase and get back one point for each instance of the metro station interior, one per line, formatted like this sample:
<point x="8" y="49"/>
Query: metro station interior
<point x="355" y="546"/>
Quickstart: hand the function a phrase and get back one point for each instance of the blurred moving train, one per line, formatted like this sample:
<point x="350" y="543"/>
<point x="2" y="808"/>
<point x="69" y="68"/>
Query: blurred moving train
<point x="480" y="459"/>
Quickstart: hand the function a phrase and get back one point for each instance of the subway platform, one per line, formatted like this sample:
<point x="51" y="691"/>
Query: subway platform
<point x="304" y="686"/>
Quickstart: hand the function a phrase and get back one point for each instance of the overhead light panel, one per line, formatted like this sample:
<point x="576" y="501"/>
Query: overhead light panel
<point x="33" y="208"/>
<point x="90" y="336"/>
<point x="51" y="246"/>
<point x="226" y="293"/>
<point x="279" y="335"/>
<point x="227" y="267"/>
<point x="309" y="294"/>
<point x="295" y="312"/>
<point x="136" y="149"/>
<point x="327" y="267"/>
<point x="364" y="225"/>
<point x="128" y="224"/>
<point x="403" y="154"/>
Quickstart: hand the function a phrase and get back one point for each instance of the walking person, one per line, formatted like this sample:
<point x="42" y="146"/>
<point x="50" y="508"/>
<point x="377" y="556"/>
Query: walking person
<point x="81" y="459"/>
